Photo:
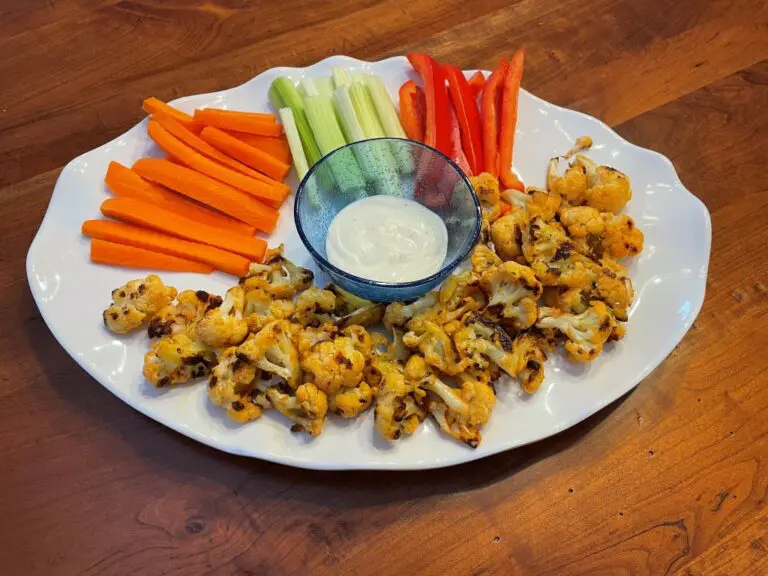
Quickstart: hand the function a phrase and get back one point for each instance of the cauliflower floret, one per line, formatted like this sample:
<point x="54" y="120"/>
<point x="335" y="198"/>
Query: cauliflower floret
<point x="261" y="308"/>
<point x="177" y="359"/>
<point x="614" y="287"/>
<point x="397" y="411"/>
<point x="515" y="289"/>
<point x="135" y="302"/>
<point x="534" y="202"/>
<point x="567" y="268"/>
<point x="398" y="314"/>
<point x="572" y="185"/>
<point x="307" y="408"/>
<point x="315" y="307"/>
<point x="182" y="315"/>
<point x="224" y="326"/>
<point x="350" y="402"/>
<point x="622" y="237"/>
<point x="234" y="385"/>
<point x="608" y="190"/>
<point x="460" y="412"/>
<point x="309" y="336"/>
<point x="459" y="294"/>
<point x="361" y="338"/>
<point x="571" y="300"/>
<point x="483" y="257"/>
<point x="529" y="350"/>
<point x="435" y="345"/>
<point x="277" y="275"/>
<point x="582" y="221"/>
<point x="586" y="332"/>
<point x="333" y="365"/>
<point x="273" y="350"/>
<point x="481" y="342"/>
<point x="596" y="233"/>
<point x="352" y="310"/>
<point x="507" y="234"/>
<point x="486" y="187"/>
<point x="542" y="240"/>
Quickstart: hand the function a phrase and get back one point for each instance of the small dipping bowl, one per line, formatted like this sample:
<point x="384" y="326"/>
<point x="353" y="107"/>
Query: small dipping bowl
<point x="393" y="167"/>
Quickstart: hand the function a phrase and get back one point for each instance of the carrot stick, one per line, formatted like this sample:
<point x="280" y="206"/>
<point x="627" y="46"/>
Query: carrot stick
<point x="141" y="213"/>
<point x="125" y="182"/>
<point x="510" y="94"/>
<point x="262" y="124"/>
<point x="277" y="147"/>
<point x="197" y="161"/>
<point x="209" y="192"/>
<point x="153" y="105"/>
<point x="193" y="140"/>
<point x="248" y="155"/>
<point x="103" y="252"/>
<point x="158" y="242"/>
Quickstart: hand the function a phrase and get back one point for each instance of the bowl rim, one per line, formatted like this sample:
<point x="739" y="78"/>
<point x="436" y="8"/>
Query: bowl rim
<point x="441" y="273"/>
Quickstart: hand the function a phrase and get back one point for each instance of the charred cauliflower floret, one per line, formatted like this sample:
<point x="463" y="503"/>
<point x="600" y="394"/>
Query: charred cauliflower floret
<point x="235" y="386"/>
<point x="614" y="287"/>
<point x="351" y="402"/>
<point x="315" y="307"/>
<point x="459" y="294"/>
<point x="135" y="302"/>
<point x="182" y="315"/>
<point x="507" y="234"/>
<point x="596" y="233"/>
<point x="486" y="187"/>
<point x="542" y="240"/>
<point x="534" y="202"/>
<point x="529" y="351"/>
<point x="608" y="190"/>
<point x="483" y="258"/>
<point x="224" y="325"/>
<point x="273" y="350"/>
<point x="460" y="412"/>
<point x="481" y="343"/>
<point x="515" y="290"/>
<point x="361" y="338"/>
<point x="309" y="337"/>
<point x="261" y="308"/>
<point x="435" y="345"/>
<point x="177" y="359"/>
<point x="570" y="300"/>
<point x="306" y="408"/>
<point x="397" y="410"/>
<point x="622" y="237"/>
<point x="572" y="185"/>
<point x="398" y="314"/>
<point x="334" y="364"/>
<point x="352" y="310"/>
<point x="586" y="332"/>
<point x="566" y="268"/>
<point x="278" y="275"/>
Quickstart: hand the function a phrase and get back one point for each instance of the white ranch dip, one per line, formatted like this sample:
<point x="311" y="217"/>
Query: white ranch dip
<point x="387" y="239"/>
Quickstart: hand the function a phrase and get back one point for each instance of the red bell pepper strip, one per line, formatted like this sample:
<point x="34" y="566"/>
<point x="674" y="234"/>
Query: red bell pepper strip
<point x="457" y="152"/>
<point x="491" y="110"/>
<point x="465" y="107"/>
<point x="413" y="106"/>
<point x="510" y="94"/>
<point x="477" y="82"/>
<point x="437" y="132"/>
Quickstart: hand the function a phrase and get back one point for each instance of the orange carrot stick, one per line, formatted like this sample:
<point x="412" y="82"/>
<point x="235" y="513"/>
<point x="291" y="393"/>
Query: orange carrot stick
<point x="153" y="105"/>
<point x="103" y="252"/>
<point x="208" y="191"/>
<point x="262" y="124"/>
<point x="248" y="155"/>
<point x="191" y="139"/>
<point x="125" y="182"/>
<point x="200" y="163"/>
<point x="277" y="147"/>
<point x="147" y="239"/>
<point x="142" y="213"/>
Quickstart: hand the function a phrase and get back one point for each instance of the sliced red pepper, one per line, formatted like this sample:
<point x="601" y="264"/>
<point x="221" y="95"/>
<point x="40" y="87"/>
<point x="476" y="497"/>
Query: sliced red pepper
<point x="437" y="132"/>
<point x="509" y="121"/>
<point x="457" y="151"/>
<point x="477" y="83"/>
<point x="491" y="117"/>
<point x="465" y="107"/>
<point x="413" y="106"/>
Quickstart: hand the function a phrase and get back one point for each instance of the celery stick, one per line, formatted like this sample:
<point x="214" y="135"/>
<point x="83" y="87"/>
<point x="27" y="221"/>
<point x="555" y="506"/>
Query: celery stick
<point x="325" y="127"/>
<point x="294" y="141"/>
<point x="366" y="111"/>
<point x="341" y="77"/>
<point x="390" y="121"/>
<point x="324" y="85"/>
<point x="284" y="93"/>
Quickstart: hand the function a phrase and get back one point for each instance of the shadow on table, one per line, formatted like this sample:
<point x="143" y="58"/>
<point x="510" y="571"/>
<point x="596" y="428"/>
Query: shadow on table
<point x="182" y="460"/>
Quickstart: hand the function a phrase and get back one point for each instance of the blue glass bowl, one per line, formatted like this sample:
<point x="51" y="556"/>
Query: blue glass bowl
<point x="393" y="167"/>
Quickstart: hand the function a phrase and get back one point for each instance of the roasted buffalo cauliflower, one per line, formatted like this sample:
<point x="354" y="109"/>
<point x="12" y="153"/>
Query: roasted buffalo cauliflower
<point x="351" y="310"/>
<point x="278" y="276"/>
<point x="182" y="315"/>
<point x="307" y="407"/>
<point x="397" y="410"/>
<point x="507" y="234"/>
<point x="514" y="289"/>
<point x="398" y="314"/>
<point x="608" y="190"/>
<point x="596" y="234"/>
<point x="533" y="202"/>
<point x="177" y="359"/>
<point x="350" y="402"/>
<point x="315" y="307"/>
<point x="224" y="325"/>
<point x="235" y="386"/>
<point x="572" y="185"/>
<point x="136" y="302"/>
<point x="586" y="332"/>
<point x="435" y="346"/>
<point x="335" y="364"/>
<point x="261" y="308"/>
<point x="614" y="287"/>
<point x="529" y="352"/>
<point x="483" y="258"/>
<point x="486" y="187"/>
<point x="273" y="350"/>
<point x="481" y="343"/>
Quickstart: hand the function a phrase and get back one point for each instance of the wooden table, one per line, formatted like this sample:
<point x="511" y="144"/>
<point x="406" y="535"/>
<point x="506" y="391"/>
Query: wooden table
<point x="671" y="478"/>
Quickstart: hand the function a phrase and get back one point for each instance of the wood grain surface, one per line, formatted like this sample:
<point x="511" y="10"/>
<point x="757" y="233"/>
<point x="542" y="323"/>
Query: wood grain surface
<point x="672" y="478"/>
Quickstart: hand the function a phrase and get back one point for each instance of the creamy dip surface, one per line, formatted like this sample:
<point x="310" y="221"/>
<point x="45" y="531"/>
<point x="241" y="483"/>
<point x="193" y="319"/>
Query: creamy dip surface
<point x="387" y="239"/>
